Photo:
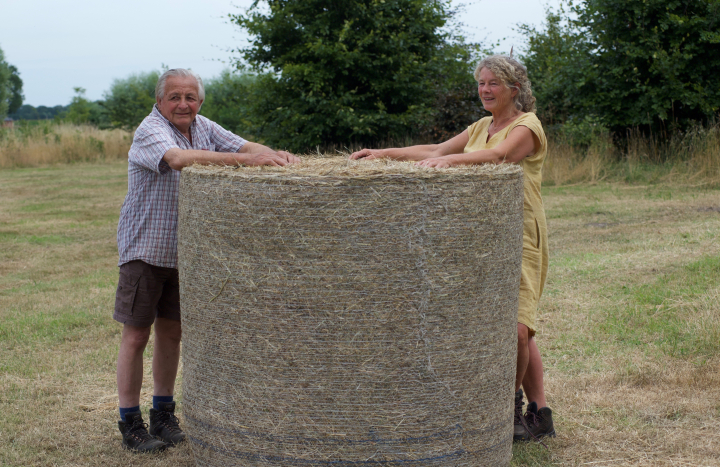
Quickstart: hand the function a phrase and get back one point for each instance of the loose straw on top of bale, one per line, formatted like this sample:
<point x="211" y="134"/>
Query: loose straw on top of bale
<point x="321" y="167"/>
<point x="347" y="313"/>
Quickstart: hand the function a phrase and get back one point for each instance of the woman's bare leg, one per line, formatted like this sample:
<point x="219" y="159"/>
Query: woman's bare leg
<point x="532" y="381"/>
<point x="523" y="355"/>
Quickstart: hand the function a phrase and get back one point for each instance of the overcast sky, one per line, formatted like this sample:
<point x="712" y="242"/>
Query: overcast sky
<point x="61" y="44"/>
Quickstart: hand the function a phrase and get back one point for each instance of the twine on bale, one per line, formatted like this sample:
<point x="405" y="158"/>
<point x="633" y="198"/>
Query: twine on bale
<point x="342" y="313"/>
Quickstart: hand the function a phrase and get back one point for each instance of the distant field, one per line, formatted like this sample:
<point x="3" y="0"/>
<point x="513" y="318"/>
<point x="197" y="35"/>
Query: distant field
<point x="630" y="328"/>
<point x="45" y="142"/>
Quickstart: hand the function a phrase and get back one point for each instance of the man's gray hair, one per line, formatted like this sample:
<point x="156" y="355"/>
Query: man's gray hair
<point x="182" y="73"/>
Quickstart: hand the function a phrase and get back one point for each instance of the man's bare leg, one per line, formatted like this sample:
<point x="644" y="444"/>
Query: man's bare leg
<point x="129" y="380"/>
<point x="130" y="364"/>
<point x="166" y="356"/>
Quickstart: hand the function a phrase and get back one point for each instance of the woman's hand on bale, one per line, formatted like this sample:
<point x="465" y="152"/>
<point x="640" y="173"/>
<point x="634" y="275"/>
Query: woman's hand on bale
<point x="436" y="162"/>
<point x="279" y="158"/>
<point x="367" y="154"/>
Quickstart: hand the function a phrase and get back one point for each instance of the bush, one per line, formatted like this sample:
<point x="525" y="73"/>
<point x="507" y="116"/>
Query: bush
<point x="130" y="100"/>
<point x="583" y="132"/>
<point x="454" y="110"/>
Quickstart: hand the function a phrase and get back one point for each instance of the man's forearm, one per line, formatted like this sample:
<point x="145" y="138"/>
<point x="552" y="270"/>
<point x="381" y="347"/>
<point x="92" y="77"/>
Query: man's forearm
<point x="179" y="158"/>
<point x="254" y="148"/>
<point x="256" y="154"/>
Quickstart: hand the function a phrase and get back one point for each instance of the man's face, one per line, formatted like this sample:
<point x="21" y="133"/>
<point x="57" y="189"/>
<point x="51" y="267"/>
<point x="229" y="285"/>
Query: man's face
<point x="181" y="101"/>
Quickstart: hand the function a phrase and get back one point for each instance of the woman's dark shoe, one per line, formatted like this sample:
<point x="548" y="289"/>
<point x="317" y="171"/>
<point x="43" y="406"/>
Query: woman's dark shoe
<point x="519" y="418"/>
<point x="539" y="423"/>
<point x="165" y="425"/>
<point x="136" y="437"/>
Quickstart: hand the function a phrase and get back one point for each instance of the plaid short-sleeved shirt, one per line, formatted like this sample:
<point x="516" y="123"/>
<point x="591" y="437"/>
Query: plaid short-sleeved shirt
<point x="148" y="219"/>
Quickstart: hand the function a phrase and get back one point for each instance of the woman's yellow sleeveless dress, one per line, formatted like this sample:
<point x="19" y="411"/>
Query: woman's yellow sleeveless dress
<point x="535" y="244"/>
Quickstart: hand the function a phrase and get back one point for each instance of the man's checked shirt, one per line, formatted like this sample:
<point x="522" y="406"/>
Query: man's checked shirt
<point x="148" y="219"/>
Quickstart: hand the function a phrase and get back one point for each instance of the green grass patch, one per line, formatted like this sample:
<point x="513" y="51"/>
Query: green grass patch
<point x="59" y="326"/>
<point x="35" y="239"/>
<point x="531" y="455"/>
<point x="662" y="312"/>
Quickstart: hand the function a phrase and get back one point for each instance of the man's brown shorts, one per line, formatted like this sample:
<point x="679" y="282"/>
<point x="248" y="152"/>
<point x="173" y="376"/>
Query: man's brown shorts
<point x="145" y="292"/>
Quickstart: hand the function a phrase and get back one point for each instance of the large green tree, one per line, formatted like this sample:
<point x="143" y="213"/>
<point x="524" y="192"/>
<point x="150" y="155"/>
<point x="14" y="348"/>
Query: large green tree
<point x="633" y="63"/>
<point x="351" y="71"/>
<point x="558" y="60"/>
<point x="11" y="96"/>
<point x="16" y="96"/>
<point x="226" y="100"/>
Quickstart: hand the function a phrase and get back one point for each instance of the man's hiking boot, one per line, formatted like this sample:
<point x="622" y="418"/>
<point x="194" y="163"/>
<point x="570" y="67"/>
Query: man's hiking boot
<point x="165" y="425"/>
<point x="539" y="423"/>
<point x="136" y="437"/>
<point x="519" y="417"/>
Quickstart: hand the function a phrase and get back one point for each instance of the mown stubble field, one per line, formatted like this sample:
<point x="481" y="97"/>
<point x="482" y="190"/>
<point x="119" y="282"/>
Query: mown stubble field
<point x="630" y="328"/>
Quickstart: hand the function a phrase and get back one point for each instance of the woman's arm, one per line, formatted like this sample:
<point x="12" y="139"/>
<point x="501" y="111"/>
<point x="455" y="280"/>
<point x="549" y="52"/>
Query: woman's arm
<point x="520" y="143"/>
<point x="416" y="153"/>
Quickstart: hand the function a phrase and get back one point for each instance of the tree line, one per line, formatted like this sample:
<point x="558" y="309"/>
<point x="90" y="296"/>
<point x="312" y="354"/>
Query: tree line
<point x="645" y="64"/>
<point x="320" y="72"/>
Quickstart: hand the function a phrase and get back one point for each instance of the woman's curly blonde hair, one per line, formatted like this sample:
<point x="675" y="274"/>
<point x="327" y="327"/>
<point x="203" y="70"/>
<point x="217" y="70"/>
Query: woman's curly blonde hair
<point x="512" y="73"/>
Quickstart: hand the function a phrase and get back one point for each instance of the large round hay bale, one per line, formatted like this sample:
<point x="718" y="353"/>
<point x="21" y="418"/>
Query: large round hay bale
<point x="338" y="313"/>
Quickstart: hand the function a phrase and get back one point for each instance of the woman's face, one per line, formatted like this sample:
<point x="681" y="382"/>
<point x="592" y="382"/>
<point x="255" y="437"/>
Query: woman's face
<point x="495" y="96"/>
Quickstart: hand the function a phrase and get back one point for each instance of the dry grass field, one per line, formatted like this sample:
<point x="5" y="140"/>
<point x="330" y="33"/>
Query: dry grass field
<point x="630" y="328"/>
<point x="46" y="142"/>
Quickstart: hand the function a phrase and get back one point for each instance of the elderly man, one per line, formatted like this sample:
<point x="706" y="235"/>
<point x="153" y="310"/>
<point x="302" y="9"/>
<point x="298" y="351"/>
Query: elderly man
<point x="173" y="136"/>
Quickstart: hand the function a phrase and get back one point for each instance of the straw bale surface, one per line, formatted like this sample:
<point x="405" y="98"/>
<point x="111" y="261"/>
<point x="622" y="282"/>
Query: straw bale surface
<point x="340" y="313"/>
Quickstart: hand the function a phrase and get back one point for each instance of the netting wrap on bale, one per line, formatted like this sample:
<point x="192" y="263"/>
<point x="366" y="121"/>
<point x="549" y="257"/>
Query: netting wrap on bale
<point x="341" y="313"/>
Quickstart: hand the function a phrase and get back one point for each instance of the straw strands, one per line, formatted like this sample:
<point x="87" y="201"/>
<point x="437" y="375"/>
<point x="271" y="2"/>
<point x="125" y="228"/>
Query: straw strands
<point x="341" y="313"/>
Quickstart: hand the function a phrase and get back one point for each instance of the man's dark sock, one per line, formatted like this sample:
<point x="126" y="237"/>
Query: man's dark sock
<point x="158" y="399"/>
<point x="124" y="410"/>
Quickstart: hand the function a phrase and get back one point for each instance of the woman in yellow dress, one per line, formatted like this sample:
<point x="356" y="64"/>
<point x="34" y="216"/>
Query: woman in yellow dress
<point x="513" y="134"/>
